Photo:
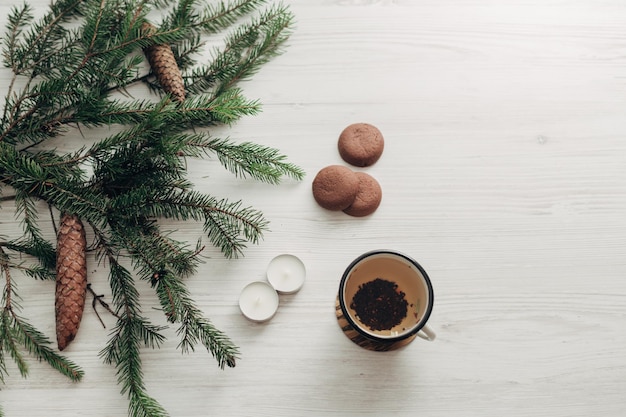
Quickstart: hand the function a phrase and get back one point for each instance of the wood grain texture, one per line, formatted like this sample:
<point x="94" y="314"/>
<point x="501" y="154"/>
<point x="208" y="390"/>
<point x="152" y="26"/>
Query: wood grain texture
<point x="504" y="175"/>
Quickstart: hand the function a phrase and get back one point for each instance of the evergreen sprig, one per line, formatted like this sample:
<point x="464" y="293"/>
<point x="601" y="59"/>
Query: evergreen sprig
<point x="75" y="69"/>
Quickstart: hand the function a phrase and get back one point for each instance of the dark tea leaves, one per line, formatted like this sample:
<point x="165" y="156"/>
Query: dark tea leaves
<point x="379" y="304"/>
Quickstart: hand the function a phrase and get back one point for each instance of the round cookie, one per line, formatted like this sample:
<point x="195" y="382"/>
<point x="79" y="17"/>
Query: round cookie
<point x="368" y="198"/>
<point x="361" y="144"/>
<point x="335" y="187"/>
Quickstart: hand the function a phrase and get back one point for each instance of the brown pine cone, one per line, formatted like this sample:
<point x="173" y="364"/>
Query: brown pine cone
<point x="164" y="66"/>
<point x="71" y="280"/>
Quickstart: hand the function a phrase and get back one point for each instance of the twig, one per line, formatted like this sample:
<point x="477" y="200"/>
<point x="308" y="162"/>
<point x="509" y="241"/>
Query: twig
<point x="54" y="225"/>
<point x="98" y="298"/>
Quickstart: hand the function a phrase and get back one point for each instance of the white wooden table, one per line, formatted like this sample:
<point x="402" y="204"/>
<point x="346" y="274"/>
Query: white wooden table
<point x="504" y="175"/>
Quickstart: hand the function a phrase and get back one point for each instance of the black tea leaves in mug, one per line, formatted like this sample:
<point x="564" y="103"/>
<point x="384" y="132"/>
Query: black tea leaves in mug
<point x="379" y="304"/>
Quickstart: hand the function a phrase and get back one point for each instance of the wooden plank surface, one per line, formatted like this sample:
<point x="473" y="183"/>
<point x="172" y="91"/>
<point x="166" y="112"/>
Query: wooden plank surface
<point x="504" y="175"/>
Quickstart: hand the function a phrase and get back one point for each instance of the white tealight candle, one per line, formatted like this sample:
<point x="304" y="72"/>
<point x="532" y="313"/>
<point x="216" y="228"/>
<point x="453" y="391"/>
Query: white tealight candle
<point x="286" y="273"/>
<point x="258" y="301"/>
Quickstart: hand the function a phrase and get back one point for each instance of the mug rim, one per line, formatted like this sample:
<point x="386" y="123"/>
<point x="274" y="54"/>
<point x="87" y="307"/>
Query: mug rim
<point x="355" y="326"/>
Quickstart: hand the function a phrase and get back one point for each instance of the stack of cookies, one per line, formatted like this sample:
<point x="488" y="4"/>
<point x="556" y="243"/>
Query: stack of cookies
<point x="339" y="188"/>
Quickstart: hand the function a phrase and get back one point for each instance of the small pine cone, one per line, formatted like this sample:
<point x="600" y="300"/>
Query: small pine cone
<point x="164" y="66"/>
<point x="71" y="280"/>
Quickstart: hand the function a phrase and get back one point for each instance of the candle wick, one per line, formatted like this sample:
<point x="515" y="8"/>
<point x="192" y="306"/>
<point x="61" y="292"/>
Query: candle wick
<point x="258" y="300"/>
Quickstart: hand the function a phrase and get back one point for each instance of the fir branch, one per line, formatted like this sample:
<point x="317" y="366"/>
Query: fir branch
<point x="33" y="243"/>
<point x="250" y="159"/>
<point x="43" y="271"/>
<point x="132" y="330"/>
<point x="180" y="15"/>
<point x="185" y="50"/>
<point x="230" y="227"/>
<point x="100" y="67"/>
<point x="91" y="28"/>
<point x="19" y="17"/>
<point x="37" y="344"/>
<point x="122" y="46"/>
<point x="201" y="110"/>
<point x="39" y="44"/>
<point x="264" y="36"/>
<point x="44" y="36"/>
<point x="194" y="328"/>
<point x="37" y="110"/>
<point x="222" y="15"/>
<point x="200" y="79"/>
<point x="123" y="350"/>
<point x="10" y="342"/>
<point x="208" y="110"/>
<point x="25" y="174"/>
<point x="213" y="18"/>
<point x="125" y="294"/>
<point x="195" y="112"/>
<point x="26" y="209"/>
<point x="151" y="250"/>
<point x="112" y="112"/>
<point x="35" y="271"/>
<point x="126" y="144"/>
<point x="138" y="175"/>
<point x="245" y="50"/>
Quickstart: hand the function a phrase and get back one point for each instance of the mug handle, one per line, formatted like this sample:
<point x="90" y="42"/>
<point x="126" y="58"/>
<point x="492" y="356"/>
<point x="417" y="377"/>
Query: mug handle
<point x="427" y="333"/>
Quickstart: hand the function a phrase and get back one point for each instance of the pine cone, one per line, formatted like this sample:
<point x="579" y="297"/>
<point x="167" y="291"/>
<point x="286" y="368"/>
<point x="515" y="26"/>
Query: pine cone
<point x="164" y="66"/>
<point x="71" y="280"/>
